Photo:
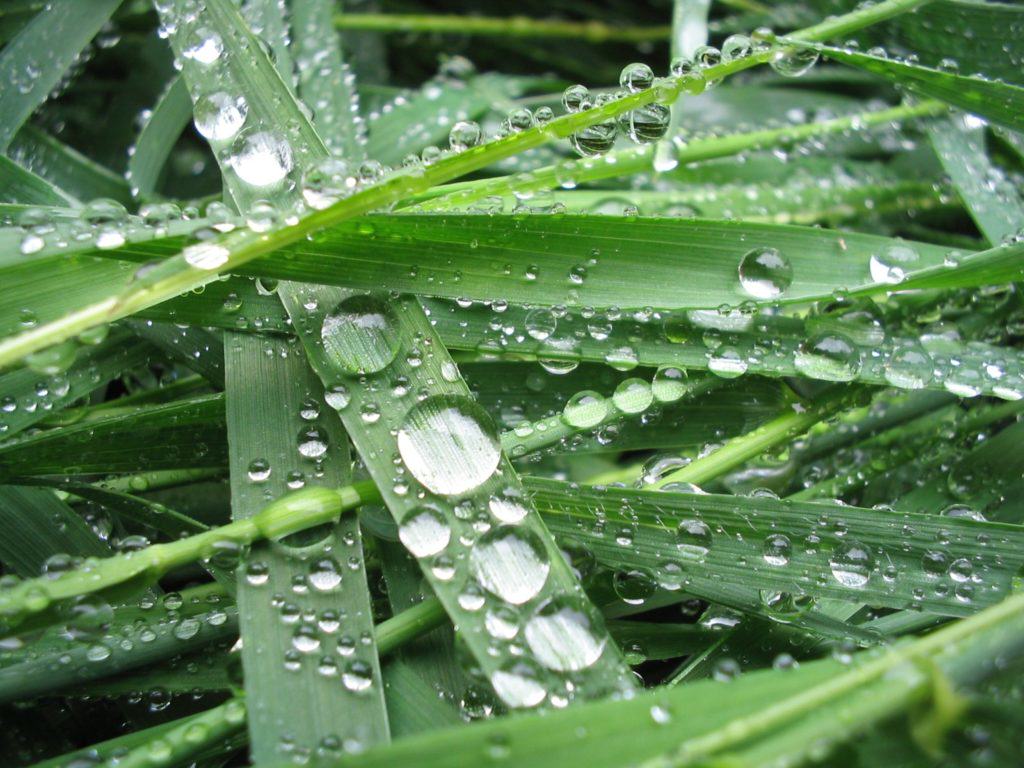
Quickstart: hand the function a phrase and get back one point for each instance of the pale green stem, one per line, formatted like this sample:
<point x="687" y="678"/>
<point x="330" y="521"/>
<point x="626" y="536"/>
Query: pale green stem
<point x="790" y="709"/>
<point x="288" y="514"/>
<point x="192" y="737"/>
<point x="631" y="161"/>
<point x="535" y="436"/>
<point x="510" y="26"/>
<point x="742" y="449"/>
<point x="178" y="274"/>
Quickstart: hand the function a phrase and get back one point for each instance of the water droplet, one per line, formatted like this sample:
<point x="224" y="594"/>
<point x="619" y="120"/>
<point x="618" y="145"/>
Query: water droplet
<point x="794" y="62"/>
<point x="519" y="685"/>
<point x="510" y="562"/>
<point x="727" y="362"/>
<point x="259" y="470"/>
<point x="261" y="158"/>
<point x="463" y="135"/>
<point x="326" y="182"/>
<point x="312" y="442"/>
<point x="585" y="409"/>
<point x="693" y="538"/>
<point x="424" y="532"/>
<point x="220" y="116"/>
<point x="633" y="396"/>
<point x="203" y="46"/>
<point x="565" y="634"/>
<point x="449" y="444"/>
<point x="765" y="273"/>
<point x="829" y="357"/>
<point x="357" y="677"/>
<point x="777" y="549"/>
<point x="851" y="563"/>
<point x="324" y="574"/>
<point x="646" y="124"/>
<point x="361" y="335"/>
<point x="669" y="384"/>
<point x="636" y="77"/>
<point x="892" y="263"/>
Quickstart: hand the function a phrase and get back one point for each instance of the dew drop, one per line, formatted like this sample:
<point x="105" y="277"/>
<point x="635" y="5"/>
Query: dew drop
<point x="693" y="539"/>
<point x="261" y="158"/>
<point x="220" y="116"/>
<point x="424" y="532"/>
<point x="851" y="563"/>
<point x="449" y="444"/>
<point x="510" y="562"/>
<point x="765" y="273"/>
<point x="565" y="635"/>
<point x="361" y="335"/>
<point x="828" y="357"/>
<point x="585" y="409"/>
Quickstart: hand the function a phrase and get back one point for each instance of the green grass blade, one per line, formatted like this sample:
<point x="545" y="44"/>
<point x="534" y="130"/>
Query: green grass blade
<point x="30" y="396"/>
<point x="999" y="102"/>
<point x="133" y="442"/>
<point x="736" y="343"/>
<point x="200" y="266"/>
<point x="170" y="116"/>
<point x="879" y="558"/>
<point x="711" y="718"/>
<point x="40" y="525"/>
<point x="325" y="81"/>
<point x="989" y="195"/>
<point x="514" y="568"/>
<point x="66" y="168"/>
<point x="303" y="686"/>
<point x="18" y="185"/>
<point x="34" y="61"/>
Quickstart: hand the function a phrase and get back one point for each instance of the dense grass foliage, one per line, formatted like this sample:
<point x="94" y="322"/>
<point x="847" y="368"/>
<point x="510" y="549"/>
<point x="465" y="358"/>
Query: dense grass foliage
<point x="607" y="384"/>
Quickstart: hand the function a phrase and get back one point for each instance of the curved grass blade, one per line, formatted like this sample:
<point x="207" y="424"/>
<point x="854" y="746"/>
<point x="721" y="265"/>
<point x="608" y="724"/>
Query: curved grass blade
<point x="999" y="102"/>
<point x="40" y="525"/>
<point x="423" y="117"/>
<point x="136" y="637"/>
<point x="66" y="168"/>
<point x="134" y="442"/>
<point x="325" y="82"/>
<point x="34" y="61"/>
<point x="18" y="185"/>
<point x="709" y="718"/>
<point x="29" y="397"/>
<point x="789" y="547"/>
<point x="735" y="344"/>
<point x="170" y="116"/>
<point x="989" y="195"/>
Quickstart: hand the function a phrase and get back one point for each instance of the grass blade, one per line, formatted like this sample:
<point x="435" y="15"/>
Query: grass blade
<point x="302" y="692"/>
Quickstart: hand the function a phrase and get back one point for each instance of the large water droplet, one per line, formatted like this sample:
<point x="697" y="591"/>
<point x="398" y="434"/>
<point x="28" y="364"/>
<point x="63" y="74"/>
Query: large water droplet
<point x="693" y="538"/>
<point x="892" y="263"/>
<point x="261" y="158"/>
<point x="765" y="273"/>
<point x="829" y="357"/>
<point x="219" y="116"/>
<point x="519" y="685"/>
<point x="851" y="563"/>
<point x="585" y="409"/>
<point x="777" y="549"/>
<point x="510" y="562"/>
<point x="424" y="532"/>
<point x="449" y="444"/>
<point x="564" y="634"/>
<point x="361" y="335"/>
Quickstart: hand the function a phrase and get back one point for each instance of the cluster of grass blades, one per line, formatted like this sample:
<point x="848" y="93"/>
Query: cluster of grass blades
<point x="635" y="386"/>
